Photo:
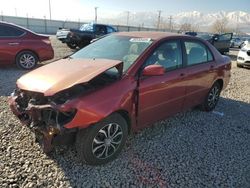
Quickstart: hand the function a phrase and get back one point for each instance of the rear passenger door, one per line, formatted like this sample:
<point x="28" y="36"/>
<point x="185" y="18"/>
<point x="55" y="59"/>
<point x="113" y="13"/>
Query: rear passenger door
<point x="200" y="72"/>
<point x="10" y="41"/>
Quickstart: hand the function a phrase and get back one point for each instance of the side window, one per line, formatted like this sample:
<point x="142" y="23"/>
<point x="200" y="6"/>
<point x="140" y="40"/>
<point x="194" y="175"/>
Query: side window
<point x="110" y="29"/>
<point x="101" y="29"/>
<point x="209" y="55"/>
<point x="168" y="55"/>
<point x="225" y="37"/>
<point x="8" y="31"/>
<point x="197" y="53"/>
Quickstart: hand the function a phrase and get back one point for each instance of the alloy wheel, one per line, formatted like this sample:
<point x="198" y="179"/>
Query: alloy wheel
<point x="27" y="61"/>
<point x="107" y="141"/>
<point x="213" y="96"/>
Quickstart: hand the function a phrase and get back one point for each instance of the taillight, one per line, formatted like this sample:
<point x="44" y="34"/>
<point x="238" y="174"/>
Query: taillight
<point x="47" y="41"/>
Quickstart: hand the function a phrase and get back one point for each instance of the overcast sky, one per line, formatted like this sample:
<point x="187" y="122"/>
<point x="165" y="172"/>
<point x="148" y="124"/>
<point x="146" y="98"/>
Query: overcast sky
<point x="84" y="9"/>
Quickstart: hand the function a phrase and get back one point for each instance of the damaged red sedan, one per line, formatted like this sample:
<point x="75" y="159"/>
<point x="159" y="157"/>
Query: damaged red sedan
<point x="120" y="83"/>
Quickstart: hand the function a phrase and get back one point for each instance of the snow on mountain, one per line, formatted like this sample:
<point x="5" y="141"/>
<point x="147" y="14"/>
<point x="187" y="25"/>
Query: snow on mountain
<point x="207" y="19"/>
<point x="149" y="19"/>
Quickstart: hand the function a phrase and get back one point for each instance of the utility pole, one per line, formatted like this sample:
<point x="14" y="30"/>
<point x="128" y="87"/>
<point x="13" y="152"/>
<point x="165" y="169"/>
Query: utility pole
<point x="170" y="23"/>
<point x="1" y="15"/>
<point x="237" y="26"/>
<point x="159" y="19"/>
<point x="128" y="17"/>
<point x="49" y="10"/>
<point x="27" y="20"/>
<point x="96" y="14"/>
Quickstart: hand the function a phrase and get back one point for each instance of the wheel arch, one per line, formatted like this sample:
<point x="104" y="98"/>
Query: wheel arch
<point x="126" y="116"/>
<point x="221" y="83"/>
<point x="27" y="50"/>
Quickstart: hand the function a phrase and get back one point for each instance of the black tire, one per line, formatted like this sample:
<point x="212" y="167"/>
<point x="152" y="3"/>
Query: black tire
<point x="212" y="98"/>
<point x="95" y="147"/>
<point x="83" y="44"/>
<point x="239" y="66"/>
<point x="26" y="60"/>
<point x="72" y="45"/>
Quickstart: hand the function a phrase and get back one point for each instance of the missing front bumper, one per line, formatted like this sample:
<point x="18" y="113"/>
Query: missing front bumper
<point x="47" y="122"/>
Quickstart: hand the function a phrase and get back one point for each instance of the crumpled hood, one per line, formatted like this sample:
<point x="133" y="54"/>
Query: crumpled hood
<point x="63" y="74"/>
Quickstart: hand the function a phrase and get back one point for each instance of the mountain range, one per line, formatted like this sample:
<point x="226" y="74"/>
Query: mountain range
<point x="238" y="19"/>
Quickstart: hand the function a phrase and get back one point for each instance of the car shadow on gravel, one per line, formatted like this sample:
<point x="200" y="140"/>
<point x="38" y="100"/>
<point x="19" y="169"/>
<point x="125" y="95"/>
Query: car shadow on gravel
<point x="191" y="149"/>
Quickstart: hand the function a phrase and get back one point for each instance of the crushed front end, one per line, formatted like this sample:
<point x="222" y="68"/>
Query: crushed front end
<point x="45" y="117"/>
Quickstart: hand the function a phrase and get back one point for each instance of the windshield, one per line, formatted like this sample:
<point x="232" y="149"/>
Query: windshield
<point x="122" y="48"/>
<point x="87" y="27"/>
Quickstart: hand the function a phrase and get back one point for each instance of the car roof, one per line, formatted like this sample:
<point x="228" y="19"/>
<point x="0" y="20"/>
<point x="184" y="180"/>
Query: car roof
<point x="155" y="35"/>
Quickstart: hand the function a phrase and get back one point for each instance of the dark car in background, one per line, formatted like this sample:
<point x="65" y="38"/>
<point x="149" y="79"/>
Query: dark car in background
<point x="23" y="47"/>
<point x="87" y="32"/>
<point x="220" y="41"/>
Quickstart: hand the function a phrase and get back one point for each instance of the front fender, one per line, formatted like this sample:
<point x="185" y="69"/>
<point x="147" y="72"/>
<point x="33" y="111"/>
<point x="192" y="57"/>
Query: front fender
<point x="100" y="104"/>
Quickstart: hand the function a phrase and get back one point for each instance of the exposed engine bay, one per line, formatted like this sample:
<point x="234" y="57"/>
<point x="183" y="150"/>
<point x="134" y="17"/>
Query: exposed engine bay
<point x="46" y="116"/>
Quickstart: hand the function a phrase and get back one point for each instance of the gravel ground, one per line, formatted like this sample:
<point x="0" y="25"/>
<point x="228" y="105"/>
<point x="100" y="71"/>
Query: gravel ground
<point x="191" y="149"/>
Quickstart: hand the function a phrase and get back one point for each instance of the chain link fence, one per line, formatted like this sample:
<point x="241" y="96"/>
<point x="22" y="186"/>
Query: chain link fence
<point x="47" y="26"/>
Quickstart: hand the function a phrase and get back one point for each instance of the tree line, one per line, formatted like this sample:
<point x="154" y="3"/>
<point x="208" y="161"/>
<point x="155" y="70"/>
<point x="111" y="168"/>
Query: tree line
<point x="218" y="26"/>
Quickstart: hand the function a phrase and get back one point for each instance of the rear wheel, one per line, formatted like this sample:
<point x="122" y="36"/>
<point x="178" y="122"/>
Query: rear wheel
<point x="26" y="60"/>
<point x="83" y="44"/>
<point x="212" y="98"/>
<point x="103" y="141"/>
<point x="72" y="45"/>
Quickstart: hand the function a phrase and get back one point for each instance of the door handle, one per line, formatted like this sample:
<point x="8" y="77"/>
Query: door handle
<point x="182" y="74"/>
<point x="13" y="43"/>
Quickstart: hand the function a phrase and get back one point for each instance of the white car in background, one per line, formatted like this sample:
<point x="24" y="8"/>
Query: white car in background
<point x="61" y="34"/>
<point x="243" y="58"/>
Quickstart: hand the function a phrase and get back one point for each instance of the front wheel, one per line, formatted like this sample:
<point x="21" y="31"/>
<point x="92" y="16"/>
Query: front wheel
<point x="103" y="141"/>
<point x="212" y="98"/>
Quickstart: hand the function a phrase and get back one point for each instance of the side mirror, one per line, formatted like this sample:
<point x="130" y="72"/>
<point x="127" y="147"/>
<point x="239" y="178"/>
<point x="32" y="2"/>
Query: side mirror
<point x="153" y="70"/>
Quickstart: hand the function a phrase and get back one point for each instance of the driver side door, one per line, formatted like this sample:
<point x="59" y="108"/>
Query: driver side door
<point x="163" y="95"/>
<point x="222" y="42"/>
